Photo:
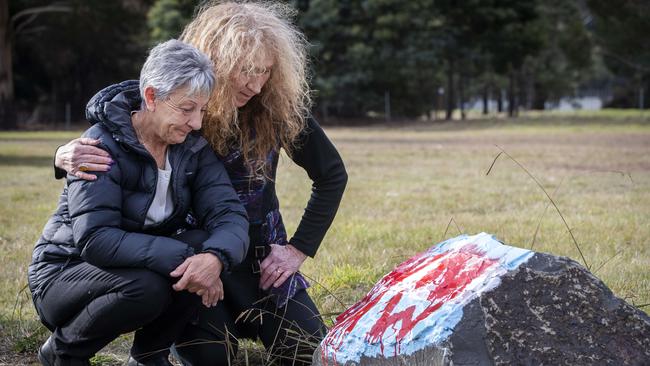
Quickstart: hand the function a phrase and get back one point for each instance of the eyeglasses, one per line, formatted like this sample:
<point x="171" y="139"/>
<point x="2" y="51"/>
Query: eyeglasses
<point x="254" y="72"/>
<point x="184" y="111"/>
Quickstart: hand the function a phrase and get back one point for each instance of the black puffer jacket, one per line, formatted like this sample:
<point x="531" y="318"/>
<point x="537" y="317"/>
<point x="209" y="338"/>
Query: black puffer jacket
<point x="102" y="221"/>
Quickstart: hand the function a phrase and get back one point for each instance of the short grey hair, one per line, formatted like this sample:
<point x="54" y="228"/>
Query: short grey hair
<point x="174" y="64"/>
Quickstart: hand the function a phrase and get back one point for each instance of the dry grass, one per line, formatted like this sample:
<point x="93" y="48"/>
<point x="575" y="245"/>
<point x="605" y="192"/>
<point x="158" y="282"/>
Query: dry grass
<point x="405" y="186"/>
<point x="407" y="183"/>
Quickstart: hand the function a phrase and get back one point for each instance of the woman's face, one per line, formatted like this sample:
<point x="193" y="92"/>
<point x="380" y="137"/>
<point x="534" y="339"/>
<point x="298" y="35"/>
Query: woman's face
<point x="178" y="115"/>
<point x="249" y="83"/>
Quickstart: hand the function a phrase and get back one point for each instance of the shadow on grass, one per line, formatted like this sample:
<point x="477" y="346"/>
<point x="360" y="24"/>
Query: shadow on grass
<point x="25" y="160"/>
<point x="20" y="340"/>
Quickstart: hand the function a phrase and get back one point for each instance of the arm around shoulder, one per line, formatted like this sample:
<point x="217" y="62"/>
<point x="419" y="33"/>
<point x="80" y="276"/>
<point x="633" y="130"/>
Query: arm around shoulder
<point x="81" y="157"/>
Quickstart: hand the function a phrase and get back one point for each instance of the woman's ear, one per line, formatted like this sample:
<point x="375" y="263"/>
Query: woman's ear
<point x="150" y="98"/>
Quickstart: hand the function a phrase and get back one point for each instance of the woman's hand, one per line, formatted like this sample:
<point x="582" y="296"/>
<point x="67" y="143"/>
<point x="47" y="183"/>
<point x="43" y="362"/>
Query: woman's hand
<point x="81" y="155"/>
<point x="200" y="275"/>
<point x="280" y="264"/>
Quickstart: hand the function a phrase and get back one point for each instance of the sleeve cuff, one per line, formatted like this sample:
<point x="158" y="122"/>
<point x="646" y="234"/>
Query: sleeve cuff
<point x="223" y="257"/>
<point x="307" y="249"/>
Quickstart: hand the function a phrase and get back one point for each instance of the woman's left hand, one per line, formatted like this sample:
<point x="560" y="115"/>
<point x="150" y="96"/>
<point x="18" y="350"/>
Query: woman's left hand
<point x="280" y="264"/>
<point x="199" y="274"/>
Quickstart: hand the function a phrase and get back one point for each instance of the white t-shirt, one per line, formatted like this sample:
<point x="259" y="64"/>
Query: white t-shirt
<point x="162" y="205"/>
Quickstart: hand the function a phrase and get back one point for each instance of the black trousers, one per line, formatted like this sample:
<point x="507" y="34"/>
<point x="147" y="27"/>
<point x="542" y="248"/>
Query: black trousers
<point x="290" y="334"/>
<point x="87" y="307"/>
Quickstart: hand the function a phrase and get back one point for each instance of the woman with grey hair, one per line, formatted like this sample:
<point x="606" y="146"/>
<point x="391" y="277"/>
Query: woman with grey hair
<point x="116" y="256"/>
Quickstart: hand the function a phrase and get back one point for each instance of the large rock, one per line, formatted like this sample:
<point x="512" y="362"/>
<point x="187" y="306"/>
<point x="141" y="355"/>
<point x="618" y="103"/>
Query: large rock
<point x="474" y="301"/>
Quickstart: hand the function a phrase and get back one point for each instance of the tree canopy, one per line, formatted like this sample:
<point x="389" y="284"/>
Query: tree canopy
<point x="369" y="57"/>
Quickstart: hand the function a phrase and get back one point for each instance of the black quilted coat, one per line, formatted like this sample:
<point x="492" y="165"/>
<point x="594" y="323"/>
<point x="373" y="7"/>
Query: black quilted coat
<point x="102" y="222"/>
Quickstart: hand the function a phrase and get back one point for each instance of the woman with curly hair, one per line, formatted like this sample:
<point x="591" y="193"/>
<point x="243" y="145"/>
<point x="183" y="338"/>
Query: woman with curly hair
<point x="259" y="106"/>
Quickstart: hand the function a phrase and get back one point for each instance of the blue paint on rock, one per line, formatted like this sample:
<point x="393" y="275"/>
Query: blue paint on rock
<point x="343" y="345"/>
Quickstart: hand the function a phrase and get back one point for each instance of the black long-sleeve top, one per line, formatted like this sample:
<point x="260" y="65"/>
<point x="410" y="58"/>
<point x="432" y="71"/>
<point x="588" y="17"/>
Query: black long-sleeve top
<point x="316" y="154"/>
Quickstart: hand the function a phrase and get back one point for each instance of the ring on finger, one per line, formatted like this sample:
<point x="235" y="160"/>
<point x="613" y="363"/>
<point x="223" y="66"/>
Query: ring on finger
<point x="83" y="168"/>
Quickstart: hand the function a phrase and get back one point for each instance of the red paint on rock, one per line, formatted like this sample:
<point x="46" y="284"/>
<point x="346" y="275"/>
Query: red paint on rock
<point x="455" y="271"/>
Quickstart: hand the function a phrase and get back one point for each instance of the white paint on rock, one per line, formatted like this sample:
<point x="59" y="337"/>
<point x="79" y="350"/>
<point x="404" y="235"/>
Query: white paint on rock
<point x="425" y="304"/>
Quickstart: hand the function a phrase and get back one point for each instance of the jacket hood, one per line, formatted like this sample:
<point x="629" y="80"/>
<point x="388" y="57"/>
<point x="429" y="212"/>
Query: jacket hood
<point x="112" y="107"/>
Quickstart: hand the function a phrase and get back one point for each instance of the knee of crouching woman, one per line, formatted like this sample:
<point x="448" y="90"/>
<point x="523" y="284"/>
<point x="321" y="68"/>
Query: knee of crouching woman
<point x="151" y="291"/>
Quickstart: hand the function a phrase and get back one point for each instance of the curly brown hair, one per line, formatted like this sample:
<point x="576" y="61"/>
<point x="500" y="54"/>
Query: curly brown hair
<point x="236" y="34"/>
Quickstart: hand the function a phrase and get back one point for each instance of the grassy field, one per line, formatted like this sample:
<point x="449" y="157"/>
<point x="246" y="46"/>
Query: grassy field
<point x="409" y="188"/>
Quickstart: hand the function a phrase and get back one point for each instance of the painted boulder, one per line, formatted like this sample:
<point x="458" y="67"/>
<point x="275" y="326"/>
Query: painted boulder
<point x="473" y="301"/>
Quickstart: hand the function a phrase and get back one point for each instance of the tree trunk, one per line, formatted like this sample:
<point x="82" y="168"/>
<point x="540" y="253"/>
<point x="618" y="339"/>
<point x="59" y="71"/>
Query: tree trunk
<point x="7" y="115"/>
<point x="539" y="97"/>
<point x="439" y="101"/>
<point x="461" y="96"/>
<point x="500" y="101"/>
<point x="451" y="95"/>
<point x="486" y="98"/>
<point x="522" y="99"/>
<point x="641" y="98"/>
<point x="512" y="98"/>
<point x="387" y="113"/>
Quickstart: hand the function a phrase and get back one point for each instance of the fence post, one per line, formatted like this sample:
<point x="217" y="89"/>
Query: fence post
<point x="641" y="98"/>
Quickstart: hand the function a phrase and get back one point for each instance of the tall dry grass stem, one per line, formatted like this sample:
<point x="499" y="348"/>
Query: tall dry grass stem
<point x="557" y="209"/>
<point x="444" y="235"/>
